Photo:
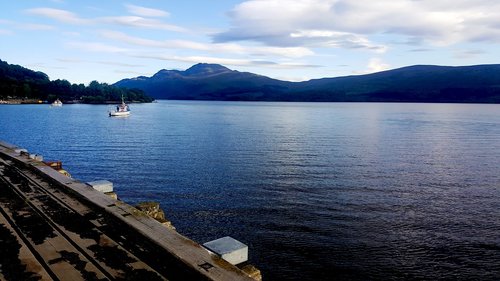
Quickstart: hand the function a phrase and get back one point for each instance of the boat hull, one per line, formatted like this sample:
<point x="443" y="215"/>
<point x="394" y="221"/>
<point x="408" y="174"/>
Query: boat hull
<point x="119" y="113"/>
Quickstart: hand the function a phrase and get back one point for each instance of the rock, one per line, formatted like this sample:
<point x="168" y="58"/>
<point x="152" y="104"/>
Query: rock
<point x="253" y="272"/>
<point x="112" y="195"/>
<point x="152" y="209"/>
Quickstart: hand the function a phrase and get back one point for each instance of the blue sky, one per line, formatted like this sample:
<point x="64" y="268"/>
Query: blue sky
<point x="293" y="40"/>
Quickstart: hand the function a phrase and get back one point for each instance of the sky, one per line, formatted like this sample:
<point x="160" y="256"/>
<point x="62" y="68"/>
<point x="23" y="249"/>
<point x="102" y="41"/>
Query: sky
<point x="293" y="40"/>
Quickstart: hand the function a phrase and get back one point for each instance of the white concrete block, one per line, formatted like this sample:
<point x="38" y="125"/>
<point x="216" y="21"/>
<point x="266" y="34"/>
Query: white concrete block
<point x="102" y="185"/>
<point x="19" y="150"/>
<point x="229" y="249"/>
<point x="36" y="157"/>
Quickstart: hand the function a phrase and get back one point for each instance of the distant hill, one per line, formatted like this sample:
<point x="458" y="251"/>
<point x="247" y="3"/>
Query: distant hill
<point x="207" y="82"/>
<point x="420" y="83"/>
<point x="17" y="82"/>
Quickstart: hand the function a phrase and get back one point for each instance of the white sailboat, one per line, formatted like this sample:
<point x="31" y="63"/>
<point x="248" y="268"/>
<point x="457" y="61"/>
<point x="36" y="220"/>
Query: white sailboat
<point x="57" y="102"/>
<point x="121" y="110"/>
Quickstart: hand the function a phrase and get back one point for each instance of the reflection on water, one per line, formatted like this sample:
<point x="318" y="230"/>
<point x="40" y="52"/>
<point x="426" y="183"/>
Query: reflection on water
<point x="319" y="191"/>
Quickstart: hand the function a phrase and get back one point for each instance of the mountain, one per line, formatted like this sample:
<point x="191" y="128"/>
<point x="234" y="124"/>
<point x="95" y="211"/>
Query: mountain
<point x="419" y="83"/>
<point x="206" y="82"/>
<point x="20" y="83"/>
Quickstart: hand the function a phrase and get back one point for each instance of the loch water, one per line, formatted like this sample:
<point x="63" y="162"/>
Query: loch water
<point x="318" y="191"/>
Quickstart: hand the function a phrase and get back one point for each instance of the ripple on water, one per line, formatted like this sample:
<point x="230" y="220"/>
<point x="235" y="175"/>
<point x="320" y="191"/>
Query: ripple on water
<point x="319" y="191"/>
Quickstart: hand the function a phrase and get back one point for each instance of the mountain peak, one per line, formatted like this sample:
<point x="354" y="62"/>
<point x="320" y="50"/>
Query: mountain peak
<point x="206" y="69"/>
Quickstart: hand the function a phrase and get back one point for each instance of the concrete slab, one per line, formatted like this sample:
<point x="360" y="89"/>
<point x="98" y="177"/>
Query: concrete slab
<point x="102" y="185"/>
<point x="229" y="249"/>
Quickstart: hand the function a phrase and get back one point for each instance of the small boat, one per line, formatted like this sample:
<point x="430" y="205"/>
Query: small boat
<point x="121" y="110"/>
<point x="57" y="102"/>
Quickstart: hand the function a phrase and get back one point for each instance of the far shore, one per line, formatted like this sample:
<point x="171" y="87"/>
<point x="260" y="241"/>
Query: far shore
<point x="36" y="101"/>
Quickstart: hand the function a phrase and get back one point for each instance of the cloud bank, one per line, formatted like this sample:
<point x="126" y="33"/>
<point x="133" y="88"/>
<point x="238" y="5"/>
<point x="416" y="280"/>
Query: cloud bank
<point x="228" y="48"/>
<point x="346" y="23"/>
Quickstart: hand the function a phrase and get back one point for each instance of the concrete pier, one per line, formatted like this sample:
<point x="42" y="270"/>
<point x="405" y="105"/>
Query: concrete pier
<point x="53" y="227"/>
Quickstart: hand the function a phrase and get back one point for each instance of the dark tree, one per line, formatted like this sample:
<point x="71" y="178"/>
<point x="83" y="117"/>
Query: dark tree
<point x="19" y="82"/>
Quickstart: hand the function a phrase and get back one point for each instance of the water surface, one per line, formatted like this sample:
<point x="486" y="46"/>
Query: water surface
<point x="319" y="191"/>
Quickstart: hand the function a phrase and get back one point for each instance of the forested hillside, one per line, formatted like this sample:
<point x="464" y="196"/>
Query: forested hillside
<point x="17" y="82"/>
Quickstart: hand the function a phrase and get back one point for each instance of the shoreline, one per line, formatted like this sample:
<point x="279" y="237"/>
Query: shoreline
<point x="40" y="102"/>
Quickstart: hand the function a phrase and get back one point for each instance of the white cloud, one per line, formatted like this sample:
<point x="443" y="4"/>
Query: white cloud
<point x="113" y="63"/>
<point x="7" y="22"/>
<point x="133" y="21"/>
<point x="59" y="15"/>
<point x="128" y="72"/>
<point x="146" y="12"/>
<point x="232" y="48"/>
<point x="375" y="65"/>
<point x="119" y="64"/>
<point x="27" y="26"/>
<point x="5" y="32"/>
<point x="71" y="34"/>
<point x="95" y="47"/>
<point x="141" y="22"/>
<point x="467" y="54"/>
<point x="32" y="26"/>
<point x="224" y="61"/>
<point x="123" y="37"/>
<point x="197" y="59"/>
<point x="421" y="50"/>
<point x="440" y="22"/>
<point x="70" y="60"/>
<point x="326" y="38"/>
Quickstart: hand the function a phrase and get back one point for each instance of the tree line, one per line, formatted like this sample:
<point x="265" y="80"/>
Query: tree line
<point x="17" y="82"/>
